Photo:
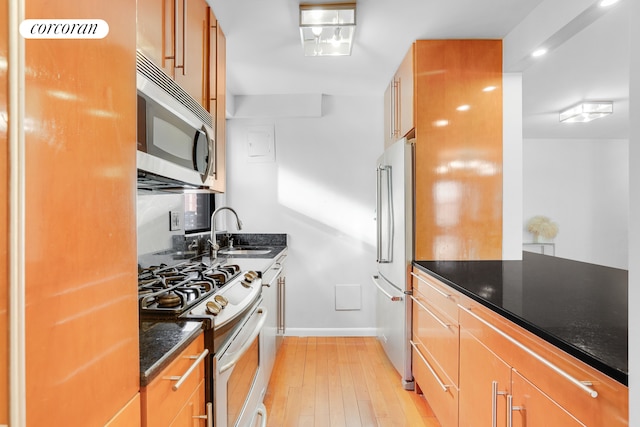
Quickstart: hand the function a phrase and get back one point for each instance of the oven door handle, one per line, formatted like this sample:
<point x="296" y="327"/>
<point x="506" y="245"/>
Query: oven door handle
<point x="245" y="346"/>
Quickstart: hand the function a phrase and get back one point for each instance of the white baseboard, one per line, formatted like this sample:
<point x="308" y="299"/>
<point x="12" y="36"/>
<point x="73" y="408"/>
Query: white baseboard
<point x="330" y="332"/>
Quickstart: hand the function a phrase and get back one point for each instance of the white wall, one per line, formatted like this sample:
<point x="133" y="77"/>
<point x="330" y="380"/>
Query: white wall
<point x="582" y="185"/>
<point x="153" y="220"/>
<point x="321" y="192"/>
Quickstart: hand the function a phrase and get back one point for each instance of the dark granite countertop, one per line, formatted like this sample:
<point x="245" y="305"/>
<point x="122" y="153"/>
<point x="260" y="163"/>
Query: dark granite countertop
<point x="580" y="308"/>
<point x="161" y="342"/>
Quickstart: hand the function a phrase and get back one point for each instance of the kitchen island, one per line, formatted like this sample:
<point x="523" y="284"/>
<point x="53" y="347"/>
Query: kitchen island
<point x="578" y="307"/>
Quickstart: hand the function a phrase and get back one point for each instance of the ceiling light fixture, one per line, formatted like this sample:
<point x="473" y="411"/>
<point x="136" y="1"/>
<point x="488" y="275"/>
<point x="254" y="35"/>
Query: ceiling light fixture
<point x="586" y="111"/>
<point x="327" y="29"/>
<point x="539" y="52"/>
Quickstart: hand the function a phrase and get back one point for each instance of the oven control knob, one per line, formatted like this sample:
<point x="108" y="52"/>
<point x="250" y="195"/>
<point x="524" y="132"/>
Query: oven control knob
<point x="221" y="300"/>
<point x="213" y="307"/>
<point x="250" y="276"/>
<point x="246" y="284"/>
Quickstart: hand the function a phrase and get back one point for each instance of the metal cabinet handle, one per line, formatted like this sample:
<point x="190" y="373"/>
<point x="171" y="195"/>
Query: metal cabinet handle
<point x="194" y="365"/>
<point x="583" y="385"/>
<point x="387" y="294"/>
<point x="397" y="106"/>
<point x="442" y="385"/>
<point x="208" y="416"/>
<point x="422" y="306"/>
<point x="510" y="409"/>
<point x="494" y="402"/>
<point x="444" y="294"/>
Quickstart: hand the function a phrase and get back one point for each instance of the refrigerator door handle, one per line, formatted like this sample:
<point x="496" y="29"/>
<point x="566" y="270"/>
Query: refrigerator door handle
<point x="385" y="293"/>
<point x="388" y="257"/>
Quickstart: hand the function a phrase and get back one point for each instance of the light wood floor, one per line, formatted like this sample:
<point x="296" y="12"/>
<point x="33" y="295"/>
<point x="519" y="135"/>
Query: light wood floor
<point x="331" y="382"/>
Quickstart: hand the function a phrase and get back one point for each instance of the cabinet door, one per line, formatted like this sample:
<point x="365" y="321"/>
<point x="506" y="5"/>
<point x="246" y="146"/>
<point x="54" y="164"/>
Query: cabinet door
<point x="404" y="88"/>
<point x="484" y="384"/>
<point x="441" y="395"/>
<point x="531" y="407"/>
<point x="155" y="32"/>
<point x="191" y="40"/>
<point x="193" y="413"/>
<point x="220" y="117"/>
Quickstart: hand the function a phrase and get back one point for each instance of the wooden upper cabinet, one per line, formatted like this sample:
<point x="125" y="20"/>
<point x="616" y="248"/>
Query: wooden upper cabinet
<point x="191" y="66"/>
<point x="174" y="34"/>
<point x="218" y="98"/>
<point x="399" y="101"/>
<point x="458" y="130"/>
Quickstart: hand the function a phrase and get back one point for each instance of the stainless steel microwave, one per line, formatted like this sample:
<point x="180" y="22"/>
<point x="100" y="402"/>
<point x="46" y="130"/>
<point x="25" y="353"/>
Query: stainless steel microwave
<point x="176" y="148"/>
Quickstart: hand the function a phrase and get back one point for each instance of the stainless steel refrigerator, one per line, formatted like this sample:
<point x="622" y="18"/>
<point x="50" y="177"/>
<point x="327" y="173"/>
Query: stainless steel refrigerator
<point x="394" y="221"/>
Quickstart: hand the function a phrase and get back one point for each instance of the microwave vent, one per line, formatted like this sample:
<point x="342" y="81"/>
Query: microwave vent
<point x="154" y="73"/>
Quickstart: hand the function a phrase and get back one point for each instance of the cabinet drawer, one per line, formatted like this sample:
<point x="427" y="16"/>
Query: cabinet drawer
<point x="438" y="333"/>
<point x="160" y="402"/>
<point x="442" y="397"/>
<point x="437" y="293"/>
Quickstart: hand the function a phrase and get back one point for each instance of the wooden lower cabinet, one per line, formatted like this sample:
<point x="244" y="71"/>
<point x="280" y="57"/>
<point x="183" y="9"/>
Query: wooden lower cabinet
<point x="485" y="382"/>
<point x="129" y="416"/>
<point x="546" y="386"/>
<point x="192" y="413"/>
<point x="496" y="363"/>
<point x="530" y="406"/>
<point x="164" y="406"/>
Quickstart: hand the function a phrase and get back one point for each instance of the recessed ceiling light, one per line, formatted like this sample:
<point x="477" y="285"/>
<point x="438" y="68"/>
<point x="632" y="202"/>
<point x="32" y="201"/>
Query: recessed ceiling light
<point x="539" y="52"/>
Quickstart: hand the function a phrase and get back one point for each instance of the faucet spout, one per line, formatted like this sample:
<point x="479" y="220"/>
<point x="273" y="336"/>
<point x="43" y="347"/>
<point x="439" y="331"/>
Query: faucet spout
<point x="213" y="240"/>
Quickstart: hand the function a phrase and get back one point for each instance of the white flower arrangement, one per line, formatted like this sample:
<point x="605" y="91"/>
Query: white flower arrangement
<point x="542" y="226"/>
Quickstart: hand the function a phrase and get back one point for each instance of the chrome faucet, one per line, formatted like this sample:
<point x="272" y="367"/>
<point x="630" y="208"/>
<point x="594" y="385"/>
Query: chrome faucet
<point x="213" y="241"/>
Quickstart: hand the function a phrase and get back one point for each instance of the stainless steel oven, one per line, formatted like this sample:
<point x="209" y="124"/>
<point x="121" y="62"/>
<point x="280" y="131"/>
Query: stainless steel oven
<point x="237" y="372"/>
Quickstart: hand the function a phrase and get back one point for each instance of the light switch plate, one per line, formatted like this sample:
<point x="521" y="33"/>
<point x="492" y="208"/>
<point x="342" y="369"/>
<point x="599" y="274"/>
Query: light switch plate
<point x="175" y="221"/>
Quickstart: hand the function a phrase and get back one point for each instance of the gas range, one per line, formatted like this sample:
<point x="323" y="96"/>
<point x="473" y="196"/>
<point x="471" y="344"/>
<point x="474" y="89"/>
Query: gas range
<point x="195" y="290"/>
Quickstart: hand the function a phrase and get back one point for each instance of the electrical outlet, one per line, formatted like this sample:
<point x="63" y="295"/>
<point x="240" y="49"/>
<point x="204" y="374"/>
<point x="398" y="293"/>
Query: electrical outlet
<point x="175" y="221"/>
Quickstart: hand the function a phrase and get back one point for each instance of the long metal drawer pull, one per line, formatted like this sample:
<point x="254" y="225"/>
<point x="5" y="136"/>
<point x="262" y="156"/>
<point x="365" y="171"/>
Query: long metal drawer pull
<point x="194" y="365"/>
<point x="245" y="346"/>
<point x="279" y="269"/>
<point x="581" y="384"/>
<point x="422" y="306"/>
<point x="444" y="294"/>
<point x="494" y="402"/>
<point x="388" y="295"/>
<point x="442" y="385"/>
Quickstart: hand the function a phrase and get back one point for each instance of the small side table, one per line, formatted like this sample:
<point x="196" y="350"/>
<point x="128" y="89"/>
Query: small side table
<point x="543" y="248"/>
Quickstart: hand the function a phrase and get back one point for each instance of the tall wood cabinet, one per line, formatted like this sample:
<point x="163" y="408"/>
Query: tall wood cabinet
<point x="4" y="222"/>
<point x="81" y="315"/>
<point x="448" y="94"/>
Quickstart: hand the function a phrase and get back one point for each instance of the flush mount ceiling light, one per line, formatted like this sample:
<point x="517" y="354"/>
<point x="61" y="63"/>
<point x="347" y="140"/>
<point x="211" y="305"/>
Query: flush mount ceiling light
<point x="586" y="111"/>
<point x="327" y="29"/>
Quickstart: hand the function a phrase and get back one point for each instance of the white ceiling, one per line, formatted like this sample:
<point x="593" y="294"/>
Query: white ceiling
<point x="264" y="55"/>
